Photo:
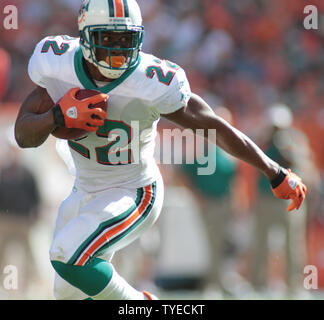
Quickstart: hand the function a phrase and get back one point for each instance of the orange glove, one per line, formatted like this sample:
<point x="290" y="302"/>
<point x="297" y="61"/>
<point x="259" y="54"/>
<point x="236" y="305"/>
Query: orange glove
<point x="291" y="187"/>
<point x="70" y="112"/>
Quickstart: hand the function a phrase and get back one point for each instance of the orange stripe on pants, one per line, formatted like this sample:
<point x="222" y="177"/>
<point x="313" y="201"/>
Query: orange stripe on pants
<point x="110" y="233"/>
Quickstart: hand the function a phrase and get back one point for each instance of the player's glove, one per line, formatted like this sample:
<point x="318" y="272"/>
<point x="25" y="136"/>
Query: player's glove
<point x="69" y="112"/>
<point x="287" y="185"/>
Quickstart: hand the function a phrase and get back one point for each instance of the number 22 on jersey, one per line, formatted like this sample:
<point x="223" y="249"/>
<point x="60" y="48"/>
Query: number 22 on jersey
<point x="163" y="77"/>
<point x="115" y="151"/>
<point x="52" y="44"/>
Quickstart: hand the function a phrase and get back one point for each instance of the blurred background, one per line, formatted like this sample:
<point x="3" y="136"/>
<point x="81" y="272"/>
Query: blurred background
<point x="260" y="69"/>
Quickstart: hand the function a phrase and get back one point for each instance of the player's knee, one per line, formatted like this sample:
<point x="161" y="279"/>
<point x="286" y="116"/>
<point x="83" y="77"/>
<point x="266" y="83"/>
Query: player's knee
<point x="71" y="274"/>
<point x="90" y="279"/>
<point x="57" y="252"/>
<point x="61" y="249"/>
<point x="62" y="269"/>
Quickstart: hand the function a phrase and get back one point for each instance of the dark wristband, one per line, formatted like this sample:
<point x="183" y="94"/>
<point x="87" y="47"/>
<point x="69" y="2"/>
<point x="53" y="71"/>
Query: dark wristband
<point x="58" y="116"/>
<point x="279" y="178"/>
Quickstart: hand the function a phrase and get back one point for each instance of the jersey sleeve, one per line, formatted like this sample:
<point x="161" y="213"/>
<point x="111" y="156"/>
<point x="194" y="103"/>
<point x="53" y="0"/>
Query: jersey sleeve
<point x="52" y="59"/>
<point x="177" y="94"/>
<point x="37" y="65"/>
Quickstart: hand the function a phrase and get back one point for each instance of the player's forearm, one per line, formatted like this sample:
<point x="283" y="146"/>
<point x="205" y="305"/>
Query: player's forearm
<point x="232" y="140"/>
<point x="285" y="184"/>
<point x="198" y="115"/>
<point x="31" y="130"/>
<point x="240" y="146"/>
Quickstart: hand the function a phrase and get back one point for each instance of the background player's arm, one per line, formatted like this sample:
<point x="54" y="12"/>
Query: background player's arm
<point x="198" y="115"/>
<point x="35" y="119"/>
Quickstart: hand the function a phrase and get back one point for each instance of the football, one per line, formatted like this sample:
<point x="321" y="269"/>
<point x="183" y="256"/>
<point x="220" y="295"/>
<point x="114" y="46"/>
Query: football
<point x="74" y="133"/>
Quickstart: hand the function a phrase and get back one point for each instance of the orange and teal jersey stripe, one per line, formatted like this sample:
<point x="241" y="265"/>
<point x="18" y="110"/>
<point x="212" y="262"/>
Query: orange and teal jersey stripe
<point x="113" y="230"/>
<point x="118" y="8"/>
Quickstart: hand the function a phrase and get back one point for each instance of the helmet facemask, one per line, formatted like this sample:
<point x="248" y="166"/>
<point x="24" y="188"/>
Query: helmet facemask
<point x="112" y="58"/>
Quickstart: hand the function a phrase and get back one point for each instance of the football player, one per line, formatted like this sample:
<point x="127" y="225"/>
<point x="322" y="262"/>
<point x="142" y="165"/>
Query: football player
<point x="115" y="198"/>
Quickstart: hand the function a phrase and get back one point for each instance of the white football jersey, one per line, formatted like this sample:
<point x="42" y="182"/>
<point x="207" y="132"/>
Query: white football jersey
<point x="121" y="152"/>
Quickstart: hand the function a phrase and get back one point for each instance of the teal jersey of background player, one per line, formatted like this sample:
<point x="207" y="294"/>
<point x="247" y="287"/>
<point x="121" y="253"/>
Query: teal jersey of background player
<point x="219" y="183"/>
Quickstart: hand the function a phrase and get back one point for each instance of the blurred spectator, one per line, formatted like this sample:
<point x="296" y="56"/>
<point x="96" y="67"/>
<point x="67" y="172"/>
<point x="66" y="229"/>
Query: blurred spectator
<point x="183" y="255"/>
<point x="280" y="238"/>
<point x="215" y="199"/>
<point x="5" y="63"/>
<point x="19" y="211"/>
